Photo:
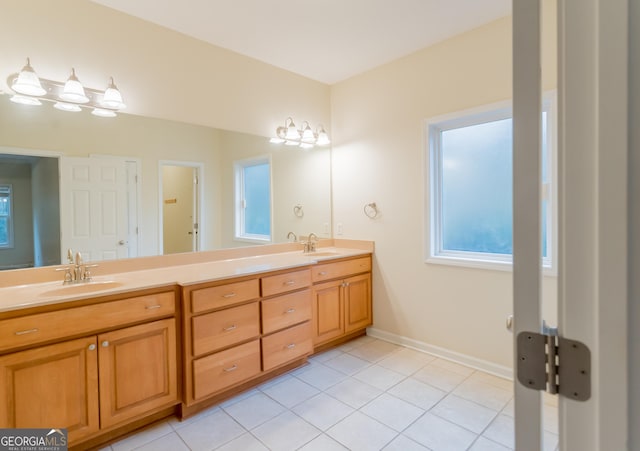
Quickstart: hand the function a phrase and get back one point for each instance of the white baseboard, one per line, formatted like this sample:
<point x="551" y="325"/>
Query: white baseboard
<point x="479" y="364"/>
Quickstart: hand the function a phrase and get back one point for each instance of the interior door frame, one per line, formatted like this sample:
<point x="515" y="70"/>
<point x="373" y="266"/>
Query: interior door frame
<point x="198" y="200"/>
<point x="594" y="195"/>
<point x="593" y="147"/>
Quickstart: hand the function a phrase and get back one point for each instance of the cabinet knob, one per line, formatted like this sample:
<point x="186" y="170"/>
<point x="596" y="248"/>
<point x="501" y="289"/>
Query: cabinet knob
<point x="105" y="344"/>
<point x="322" y="273"/>
<point x="290" y="282"/>
<point x="291" y="310"/>
<point x="230" y="328"/>
<point x="290" y="346"/>
<point x="92" y="347"/>
<point x="229" y="295"/>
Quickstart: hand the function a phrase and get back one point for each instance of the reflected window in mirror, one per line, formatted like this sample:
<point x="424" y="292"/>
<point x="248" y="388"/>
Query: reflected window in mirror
<point x="6" y="218"/>
<point x="253" y="199"/>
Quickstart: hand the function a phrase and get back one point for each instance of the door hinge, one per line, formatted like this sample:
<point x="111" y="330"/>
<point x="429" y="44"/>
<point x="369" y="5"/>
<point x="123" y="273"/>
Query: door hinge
<point x="555" y="364"/>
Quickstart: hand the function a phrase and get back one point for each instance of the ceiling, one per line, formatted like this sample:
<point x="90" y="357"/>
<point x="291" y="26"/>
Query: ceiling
<point x="325" y="40"/>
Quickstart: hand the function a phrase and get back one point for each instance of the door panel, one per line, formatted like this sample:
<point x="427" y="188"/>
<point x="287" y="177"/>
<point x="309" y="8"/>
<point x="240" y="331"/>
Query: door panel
<point x="93" y="205"/>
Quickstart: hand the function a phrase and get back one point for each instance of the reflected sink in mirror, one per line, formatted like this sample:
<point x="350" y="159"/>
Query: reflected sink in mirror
<point x="81" y="288"/>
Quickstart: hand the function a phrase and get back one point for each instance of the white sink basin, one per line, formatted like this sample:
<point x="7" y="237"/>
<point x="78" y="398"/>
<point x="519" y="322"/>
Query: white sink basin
<point x="81" y="288"/>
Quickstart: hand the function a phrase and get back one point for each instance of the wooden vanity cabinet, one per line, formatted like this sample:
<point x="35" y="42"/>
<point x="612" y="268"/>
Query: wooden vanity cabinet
<point x="95" y="383"/>
<point x="341" y="300"/>
<point x="238" y="331"/>
<point x="221" y="337"/>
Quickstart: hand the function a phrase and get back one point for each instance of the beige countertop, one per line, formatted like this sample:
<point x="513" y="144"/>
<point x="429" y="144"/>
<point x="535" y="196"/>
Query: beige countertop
<point x="37" y="294"/>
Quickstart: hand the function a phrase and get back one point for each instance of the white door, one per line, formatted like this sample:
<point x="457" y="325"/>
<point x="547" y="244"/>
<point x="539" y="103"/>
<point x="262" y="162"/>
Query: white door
<point x="93" y="207"/>
<point x="593" y="151"/>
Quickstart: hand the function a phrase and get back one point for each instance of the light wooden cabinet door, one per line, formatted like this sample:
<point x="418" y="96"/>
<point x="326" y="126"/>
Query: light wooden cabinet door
<point x="357" y="302"/>
<point x="328" y="312"/>
<point x="137" y="370"/>
<point x="52" y="386"/>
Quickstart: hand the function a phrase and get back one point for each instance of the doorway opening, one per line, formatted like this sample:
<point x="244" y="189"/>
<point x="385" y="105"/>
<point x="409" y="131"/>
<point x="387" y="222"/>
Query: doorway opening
<point x="180" y="206"/>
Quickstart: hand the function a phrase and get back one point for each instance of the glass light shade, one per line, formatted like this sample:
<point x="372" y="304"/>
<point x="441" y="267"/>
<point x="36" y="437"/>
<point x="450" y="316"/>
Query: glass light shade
<point x="323" y="138"/>
<point x="67" y="107"/>
<point x="292" y="131"/>
<point x="307" y="134"/>
<point x="24" y="100"/>
<point x="103" y="113"/>
<point x="112" y="97"/>
<point x="73" y="90"/>
<point x="28" y="82"/>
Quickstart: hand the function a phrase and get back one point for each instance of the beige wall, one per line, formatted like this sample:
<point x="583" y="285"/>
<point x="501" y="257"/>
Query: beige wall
<point x="160" y="73"/>
<point x="378" y="156"/>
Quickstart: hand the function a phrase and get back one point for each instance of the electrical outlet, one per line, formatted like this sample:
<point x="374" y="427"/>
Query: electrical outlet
<point x="325" y="228"/>
<point x="339" y="228"/>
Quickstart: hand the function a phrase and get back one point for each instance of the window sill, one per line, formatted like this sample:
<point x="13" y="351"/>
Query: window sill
<point x="491" y="265"/>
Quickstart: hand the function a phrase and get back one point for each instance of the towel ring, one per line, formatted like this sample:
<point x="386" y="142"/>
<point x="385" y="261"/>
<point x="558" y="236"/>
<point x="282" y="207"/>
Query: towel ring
<point x="371" y="210"/>
<point x="298" y="211"/>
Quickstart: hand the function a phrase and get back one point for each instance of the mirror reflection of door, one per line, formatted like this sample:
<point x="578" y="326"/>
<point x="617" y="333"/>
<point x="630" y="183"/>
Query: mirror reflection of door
<point x="179" y="208"/>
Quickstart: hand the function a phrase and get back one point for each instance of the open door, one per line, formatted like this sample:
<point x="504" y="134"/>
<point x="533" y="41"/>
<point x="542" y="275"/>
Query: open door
<point x="593" y="218"/>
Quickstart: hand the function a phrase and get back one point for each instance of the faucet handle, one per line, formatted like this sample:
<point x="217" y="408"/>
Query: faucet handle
<point x="68" y="277"/>
<point x="78" y="258"/>
<point x="70" y="256"/>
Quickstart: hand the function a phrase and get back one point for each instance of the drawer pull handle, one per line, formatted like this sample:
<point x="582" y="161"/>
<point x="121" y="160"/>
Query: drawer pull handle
<point x="231" y="368"/>
<point x="230" y="328"/>
<point x="229" y="295"/>
<point x="322" y="273"/>
<point x="152" y="307"/>
<point x="92" y="347"/>
<point x="290" y="282"/>
<point x="290" y="346"/>
<point x="291" y="310"/>
<point x="105" y="344"/>
<point x="28" y="331"/>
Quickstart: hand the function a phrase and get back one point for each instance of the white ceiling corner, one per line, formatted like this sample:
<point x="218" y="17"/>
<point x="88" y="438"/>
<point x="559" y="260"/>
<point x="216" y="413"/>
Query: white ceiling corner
<point x="329" y="40"/>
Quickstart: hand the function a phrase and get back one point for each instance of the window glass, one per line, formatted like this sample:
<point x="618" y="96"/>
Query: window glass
<point x="471" y="188"/>
<point x="5" y="216"/>
<point x="253" y="200"/>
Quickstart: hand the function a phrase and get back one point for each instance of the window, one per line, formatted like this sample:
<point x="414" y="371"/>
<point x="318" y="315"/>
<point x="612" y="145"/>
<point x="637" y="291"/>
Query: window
<point x="6" y="218"/>
<point x="471" y="189"/>
<point x="253" y="199"/>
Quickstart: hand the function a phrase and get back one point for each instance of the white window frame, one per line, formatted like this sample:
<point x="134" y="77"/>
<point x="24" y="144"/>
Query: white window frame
<point x="239" y="204"/>
<point x="433" y="184"/>
<point x="10" y="227"/>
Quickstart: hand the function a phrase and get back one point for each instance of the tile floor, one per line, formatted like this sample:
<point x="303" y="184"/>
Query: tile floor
<point x="367" y="394"/>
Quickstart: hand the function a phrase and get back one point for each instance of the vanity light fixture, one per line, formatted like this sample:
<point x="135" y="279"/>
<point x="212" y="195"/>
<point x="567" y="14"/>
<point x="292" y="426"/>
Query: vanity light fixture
<point x="304" y="137"/>
<point x="71" y="95"/>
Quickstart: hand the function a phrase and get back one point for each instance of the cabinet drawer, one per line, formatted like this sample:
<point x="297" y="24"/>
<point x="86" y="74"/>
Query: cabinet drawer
<point x="224" y="369"/>
<point x="225" y="327"/>
<point x="40" y="327"/>
<point x="285" y="311"/>
<point x="282" y="283"/>
<point x="340" y="269"/>
<point x="224" y="295"/>
<point x="285" y="346"/>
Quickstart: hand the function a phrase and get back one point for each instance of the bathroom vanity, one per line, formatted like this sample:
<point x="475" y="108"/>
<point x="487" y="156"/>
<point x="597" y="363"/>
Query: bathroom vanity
<point x="171" y="336"/>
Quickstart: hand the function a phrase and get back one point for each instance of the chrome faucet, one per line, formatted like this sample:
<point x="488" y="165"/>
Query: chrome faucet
<point x="310" y="244"/>
<point x="291" y="234"/>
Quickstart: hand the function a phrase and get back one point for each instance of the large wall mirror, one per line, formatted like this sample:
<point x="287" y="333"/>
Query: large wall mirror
<point x="300" y="197"/>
